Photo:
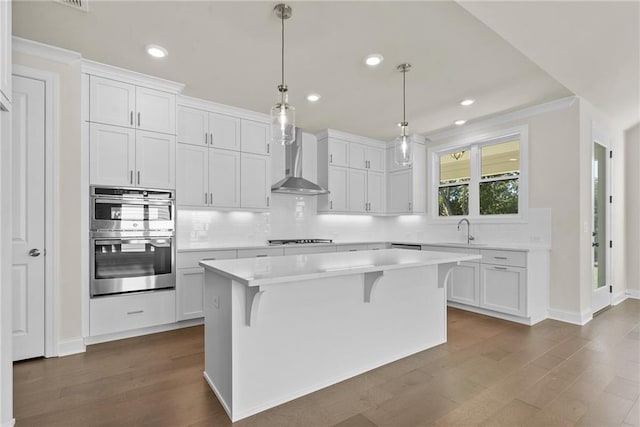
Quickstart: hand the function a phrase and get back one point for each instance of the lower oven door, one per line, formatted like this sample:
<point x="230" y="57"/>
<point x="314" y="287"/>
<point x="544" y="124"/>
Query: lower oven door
<point x="131" y="264"/>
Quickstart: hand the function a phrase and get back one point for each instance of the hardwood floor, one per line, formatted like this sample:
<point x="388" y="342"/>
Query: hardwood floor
<point x="491" y="372"/>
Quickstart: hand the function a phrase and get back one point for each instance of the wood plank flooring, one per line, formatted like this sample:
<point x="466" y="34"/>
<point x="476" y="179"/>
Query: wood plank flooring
<point x="490" y="372"/>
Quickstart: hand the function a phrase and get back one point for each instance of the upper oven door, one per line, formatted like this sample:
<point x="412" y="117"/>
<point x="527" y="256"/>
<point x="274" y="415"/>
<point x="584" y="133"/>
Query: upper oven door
<point x="119" y="214"/>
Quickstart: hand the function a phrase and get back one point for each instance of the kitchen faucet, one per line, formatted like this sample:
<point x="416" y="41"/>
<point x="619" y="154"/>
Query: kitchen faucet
<point x="469" y="236"/>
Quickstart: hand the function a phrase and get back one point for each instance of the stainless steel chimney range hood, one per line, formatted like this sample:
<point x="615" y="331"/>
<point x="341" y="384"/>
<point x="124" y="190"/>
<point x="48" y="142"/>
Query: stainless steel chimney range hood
<point x="293" y="182"/>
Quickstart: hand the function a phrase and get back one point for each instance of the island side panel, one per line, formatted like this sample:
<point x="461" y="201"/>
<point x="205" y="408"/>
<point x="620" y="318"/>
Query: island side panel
<point x="312" y="334"/>
<point x="218" y="351"/>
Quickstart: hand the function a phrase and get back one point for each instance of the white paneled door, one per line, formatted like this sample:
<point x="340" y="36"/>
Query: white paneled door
<point x="28" y="210"/>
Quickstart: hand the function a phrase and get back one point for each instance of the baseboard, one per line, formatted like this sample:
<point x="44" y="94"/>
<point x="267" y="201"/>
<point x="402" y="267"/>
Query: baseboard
<point x="618" y="298"/>
<point x="144" y="331"/>
<point x="9" y="423"/>
<point x="218" y="394"/>
<point x="633" y="293"/>
<point x="517" y="319"/>
<point x="571" y="316"/>
<point x="72" y="346"/>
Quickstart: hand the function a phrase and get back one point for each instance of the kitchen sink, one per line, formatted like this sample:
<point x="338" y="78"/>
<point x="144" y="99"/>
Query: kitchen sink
<point x="463" y="245"/>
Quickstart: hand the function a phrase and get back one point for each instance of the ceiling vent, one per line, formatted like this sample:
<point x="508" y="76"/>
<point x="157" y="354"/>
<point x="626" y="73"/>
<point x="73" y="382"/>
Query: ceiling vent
<point x="82" y="5"/>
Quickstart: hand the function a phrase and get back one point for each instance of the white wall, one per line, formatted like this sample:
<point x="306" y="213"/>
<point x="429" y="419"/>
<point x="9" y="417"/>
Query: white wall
<point x="632" y="176"/>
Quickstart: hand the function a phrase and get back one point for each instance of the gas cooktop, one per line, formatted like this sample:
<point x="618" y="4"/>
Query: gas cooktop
<point x="297" y="241"/>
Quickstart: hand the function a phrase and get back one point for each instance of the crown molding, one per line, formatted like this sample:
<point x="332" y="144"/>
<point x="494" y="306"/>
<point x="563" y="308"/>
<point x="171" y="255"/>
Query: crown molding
<point x="558" y="104"/>
<point x="134" y="77"/>
<point x="44" y="51"/>
<point x="332" y="133"/>
<point x="214" y="107"/>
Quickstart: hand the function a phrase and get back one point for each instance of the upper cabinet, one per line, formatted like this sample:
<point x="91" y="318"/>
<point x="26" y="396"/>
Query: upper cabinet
<point x="406" y="185"/>
<point x="338" y="152"/>
<point x="119" y="103"/>
<point x="199" y="127"/>
<point x="366" y="157"/>
<point x="254" y="137"/>
<point x="5" y="55"/>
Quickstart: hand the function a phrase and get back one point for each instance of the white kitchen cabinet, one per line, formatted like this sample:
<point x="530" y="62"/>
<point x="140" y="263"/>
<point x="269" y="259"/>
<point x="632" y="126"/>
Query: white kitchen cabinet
<point x="309" y="250"/>
<point x="112" y="155"/>
<point x="352" y="248"/>
<point x="503" y="289"/>
<point x="155" y="160"/>
<point x="224" y="178"/>
<point x="5" y="55"/>
<point x="338" y="199"/>
<point x="192" y="175"/>
<point x="255" y="181"/>
<point x="464" y="284"/>
<point x="400" y="188"/>
<point x="192" y="126"/>
<point x="363" y="156"/>
<point x="260" y="252"/>
<point x="254" y="137"/>
<point x="338" y="152"/>
<point x="406" y="186"/>
<point x="358" y="190"/>
<point x="190" y="293"/>
<point x="224" y="132"/>
<point x="376" y="192"/>
<point x="123" y="104"/>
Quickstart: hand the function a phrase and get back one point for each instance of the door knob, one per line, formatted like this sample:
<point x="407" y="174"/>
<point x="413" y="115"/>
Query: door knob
<point x="34" y="252"/>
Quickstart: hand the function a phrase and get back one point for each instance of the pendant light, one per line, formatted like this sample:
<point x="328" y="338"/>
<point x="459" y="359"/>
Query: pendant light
<point x="402" y="152"/>
<point x="283" y="115"/>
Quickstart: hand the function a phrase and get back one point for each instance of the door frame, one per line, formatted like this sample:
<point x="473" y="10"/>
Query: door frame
<point x="51" y="128"/>
<point x="601" y="137"/>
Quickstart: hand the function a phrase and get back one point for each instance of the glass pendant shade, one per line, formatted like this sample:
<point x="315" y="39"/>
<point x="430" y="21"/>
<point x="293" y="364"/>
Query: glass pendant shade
<point x="283" y="122"/>
<point x="402" y="152"/>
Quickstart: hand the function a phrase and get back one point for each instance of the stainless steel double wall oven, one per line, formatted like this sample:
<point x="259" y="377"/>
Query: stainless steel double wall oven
<point x="132" y="240"/>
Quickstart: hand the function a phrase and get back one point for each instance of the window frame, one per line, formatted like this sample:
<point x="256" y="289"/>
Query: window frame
<point x="473" y="145"/>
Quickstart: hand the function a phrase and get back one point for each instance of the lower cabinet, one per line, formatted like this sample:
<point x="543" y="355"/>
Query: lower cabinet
<point x="464" y="283"/>
<point x="190" y="293"/>
<point x="503" y="289"/>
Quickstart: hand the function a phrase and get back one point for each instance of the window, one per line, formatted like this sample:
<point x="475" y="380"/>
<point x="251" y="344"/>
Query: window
<point x="482" y="178"/>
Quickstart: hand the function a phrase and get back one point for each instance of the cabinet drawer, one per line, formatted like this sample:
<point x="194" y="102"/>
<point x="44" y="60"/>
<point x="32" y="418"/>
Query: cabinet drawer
<point x="309" y="250"/>
<point x="514" y="259"/>
<point x="191" y="259"/>
<point x="125" y="312"/>
<point x="350" y="248"/>
<point x="250" y="253"/>
<point x="376" y="246"/>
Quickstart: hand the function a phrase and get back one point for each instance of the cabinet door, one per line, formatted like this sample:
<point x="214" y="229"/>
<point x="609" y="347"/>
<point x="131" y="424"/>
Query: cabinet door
<point x="399" y="191"/>
<point x="357" y="190"/>
<point x="189" y="293"/>
<point x="155" y="160"/>
<point x="193" y="126"/>
<point x="224" y="178"/>
<point x="376" y="191"/>
<point x="111" y="102"/>
<point x="339" y="189"/>
<point x="254" y="137"/>
<point x="464" y="284"/>
<point x="192" y="175"/>
<point x="224" y="132"/>
<point x="156" y="110"/>
<point x="338" y="152"/>
<point x="375" y="159"/>
<point x="5" y="54"/>
<point x="357" y="156"/>
<point x="503" y="289"/>
<point x="255" y="181"/>
<point x="112" y="155"/>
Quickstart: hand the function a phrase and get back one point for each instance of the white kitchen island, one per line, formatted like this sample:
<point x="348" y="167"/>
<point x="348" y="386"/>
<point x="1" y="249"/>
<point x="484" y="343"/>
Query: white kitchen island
<point x="277" y="328"/>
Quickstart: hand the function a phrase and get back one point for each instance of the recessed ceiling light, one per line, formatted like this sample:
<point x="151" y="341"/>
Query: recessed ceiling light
<point x="373" y="59"/>
<point x="459" y="122"/>
<point x="313" y="97"/>
<point x="156" y="51"/>
<point x="467" y="102"/>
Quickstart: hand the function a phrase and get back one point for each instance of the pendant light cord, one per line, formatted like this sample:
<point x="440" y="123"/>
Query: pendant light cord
<point x="282" y="20"/>
<point x="404" y="93"/>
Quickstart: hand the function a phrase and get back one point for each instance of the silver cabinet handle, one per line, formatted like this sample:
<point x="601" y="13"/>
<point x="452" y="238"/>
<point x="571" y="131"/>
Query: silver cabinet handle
<point x="268" y="148"/>
<point x="206" y="138"/>
<point x="131" y="118"/>
<point x="409" y="205"/>
<point x="330" y="158"/>
<point x="268" y="200"/>
<point x="208" y="259"/>
<point x="34" y="252"/>
<point x="500" y="268"/>
<point x="138" y="177"/>
<point x="138" y="119"/>
<point x="500" y="257"/>
<point x="205" y="198"/>
<point x="131" y="176"/>
<point x="262" y="256"/>
<point x="330" y="204"/>
<point x="210" y="198"/>
<point x="211" y="138"/>
<point x="135" y="312"/>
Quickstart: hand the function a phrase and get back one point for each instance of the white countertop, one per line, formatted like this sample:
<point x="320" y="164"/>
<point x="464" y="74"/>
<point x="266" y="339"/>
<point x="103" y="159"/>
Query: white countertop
<point x="230" y="247"/>
<point x="281" y="269"/>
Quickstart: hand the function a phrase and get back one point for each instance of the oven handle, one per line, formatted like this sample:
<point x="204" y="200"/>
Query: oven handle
<point x="136" y="202"/>
<point x="132" y="241"/>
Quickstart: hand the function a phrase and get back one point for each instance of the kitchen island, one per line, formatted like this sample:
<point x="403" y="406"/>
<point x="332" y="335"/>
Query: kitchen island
<point x="277" y="328"/>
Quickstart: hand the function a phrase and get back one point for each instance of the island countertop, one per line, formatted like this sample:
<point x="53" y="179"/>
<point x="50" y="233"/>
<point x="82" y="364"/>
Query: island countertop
<point x="272" y="270"/>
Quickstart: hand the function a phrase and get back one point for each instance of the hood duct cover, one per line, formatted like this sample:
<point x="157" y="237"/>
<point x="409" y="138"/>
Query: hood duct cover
<point x="293" y="182"/>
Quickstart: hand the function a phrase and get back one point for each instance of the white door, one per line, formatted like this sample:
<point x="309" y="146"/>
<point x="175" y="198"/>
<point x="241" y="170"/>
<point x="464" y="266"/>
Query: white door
<point x="338" y="152"/>
<point x="254" y="137"/>
<point x="111" y="102"/>
<point x="155" y="160"/>
<point x="224" y="132"/>
<point x="601" y="294"/>
<point x="193" y="126"/>
<point x="339" y="187"/>
<point x="28" y="217"/>
<point x="376" y="191"/>
<point x="224" y="178"/>
<point x="357" y="156"/>
<point x="464" y="284"/>
<point x="112" y="155"/>
<point x="190" y="293"/>
<point x="399" y="191"/>
<point x="156" y="110"/>
<point x="503" y="289"/>
<point x="255" y="181"/>
<point x="357" y="190"/>
<point x="192" y="175"/>
<point x="375" y="159"/>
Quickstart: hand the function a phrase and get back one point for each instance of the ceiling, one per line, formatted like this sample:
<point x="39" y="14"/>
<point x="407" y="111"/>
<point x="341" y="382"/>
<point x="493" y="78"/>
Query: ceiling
<point x="228" y="52"/>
